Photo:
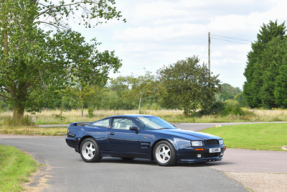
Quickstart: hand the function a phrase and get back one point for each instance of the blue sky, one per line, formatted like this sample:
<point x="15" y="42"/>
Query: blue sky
<point x="161" y="32"/>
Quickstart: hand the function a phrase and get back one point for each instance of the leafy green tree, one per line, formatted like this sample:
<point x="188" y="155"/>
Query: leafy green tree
<point x="111" y="100"/>
<point x="241" y="100"/>
<point x="139" y="87"/>
<point x="228" y="92"/>
<point x="256" y="67"/>
<point x="188" y="85"/>
<point x="35" y="64"/>
<point x="121" y="86"/>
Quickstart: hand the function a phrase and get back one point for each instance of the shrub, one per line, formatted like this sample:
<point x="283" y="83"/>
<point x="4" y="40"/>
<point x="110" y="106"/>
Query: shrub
<point x="91" y="111"/>
<point x="153" y="106"/>
<point x="216" y="109"/>
<point x="232" y="107"/>
<point x="22" y="121"/>
<point x="229" y="107"/>
<point x="241" y="100"/>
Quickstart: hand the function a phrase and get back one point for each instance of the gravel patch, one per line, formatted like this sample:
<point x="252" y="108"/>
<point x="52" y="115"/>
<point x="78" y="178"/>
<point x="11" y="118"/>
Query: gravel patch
<point x="261" y="182"/>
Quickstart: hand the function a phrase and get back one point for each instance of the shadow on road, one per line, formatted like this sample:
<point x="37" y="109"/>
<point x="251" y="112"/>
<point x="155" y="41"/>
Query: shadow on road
<point x="153" y="163"/>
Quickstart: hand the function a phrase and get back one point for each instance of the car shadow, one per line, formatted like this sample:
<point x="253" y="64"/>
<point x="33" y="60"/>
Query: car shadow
<point x="207" y="164"/>
<point x="153" y="163"/>
<point x="134" y="161"/>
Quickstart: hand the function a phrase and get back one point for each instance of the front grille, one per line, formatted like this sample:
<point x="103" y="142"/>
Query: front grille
<point x="211" y="154"/>
<point x="211" y="142"/>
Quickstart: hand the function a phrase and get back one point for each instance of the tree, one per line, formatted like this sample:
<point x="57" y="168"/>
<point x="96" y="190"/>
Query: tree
<point x="139" y="87"/>
<point x="35" y="64"/>
<point x="228" y="92"/>
<point x="241" y="100"/>
<point x="272" y="60"/>
<point x="280" y="90"/>
<point x="256" y="67"/>
<point x="117" y="88"/>
<point x="188" y="85"/>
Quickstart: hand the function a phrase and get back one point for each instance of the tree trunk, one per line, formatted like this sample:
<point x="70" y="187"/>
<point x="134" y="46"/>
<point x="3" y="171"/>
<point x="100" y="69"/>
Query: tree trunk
<point x="18" y="112"/>
<point x="82" y="110"/>
<point x="140" y="104"/>
<point x="185" y="112"/>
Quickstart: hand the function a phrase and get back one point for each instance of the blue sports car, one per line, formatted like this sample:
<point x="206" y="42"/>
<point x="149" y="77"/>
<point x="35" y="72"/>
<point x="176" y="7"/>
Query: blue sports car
<point x="142" y="136"/>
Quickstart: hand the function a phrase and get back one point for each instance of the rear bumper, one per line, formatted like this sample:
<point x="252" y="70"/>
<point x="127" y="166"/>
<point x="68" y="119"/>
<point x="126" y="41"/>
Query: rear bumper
<point x="72" y="142"/>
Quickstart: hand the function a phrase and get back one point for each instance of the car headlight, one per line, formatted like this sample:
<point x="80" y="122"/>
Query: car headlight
<point x="220" y="142"/>
<point x="196" y="143"/>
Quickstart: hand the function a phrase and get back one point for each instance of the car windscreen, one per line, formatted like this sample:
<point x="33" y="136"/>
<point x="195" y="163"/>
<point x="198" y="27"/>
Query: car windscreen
<point x="152" y="123"/>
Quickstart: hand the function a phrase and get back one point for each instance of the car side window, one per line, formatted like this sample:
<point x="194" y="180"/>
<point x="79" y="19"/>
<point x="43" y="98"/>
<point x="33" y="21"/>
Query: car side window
<point x="123" y="123"/>
<point x="102" y="123"/>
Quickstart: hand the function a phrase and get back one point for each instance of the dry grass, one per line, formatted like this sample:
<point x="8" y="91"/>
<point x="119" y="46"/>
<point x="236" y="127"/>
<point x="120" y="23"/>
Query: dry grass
<point x="33" y="131"/>
<point x="271" y="115"/>
<point x="54" y="117"/>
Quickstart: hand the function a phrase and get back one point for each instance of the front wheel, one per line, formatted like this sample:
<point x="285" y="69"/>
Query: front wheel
<point x="164" y="153"/>
<point x="90" y="151"/>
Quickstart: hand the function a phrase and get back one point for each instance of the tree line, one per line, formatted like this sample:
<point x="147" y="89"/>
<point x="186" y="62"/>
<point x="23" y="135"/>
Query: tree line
<point x="184" y="85"/>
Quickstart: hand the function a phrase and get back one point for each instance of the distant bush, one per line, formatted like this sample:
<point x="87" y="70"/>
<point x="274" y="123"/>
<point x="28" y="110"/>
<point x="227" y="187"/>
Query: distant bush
<point x="153" y="106"/>
<point x="232" y="107"/>
<point x="91" y="111"/>
<point x="241" y="100"/>
<point x="229" y="107"/>
<point x="60" y="116"/>
<point x="215" y="109"/>
<point x="23" y="121"/>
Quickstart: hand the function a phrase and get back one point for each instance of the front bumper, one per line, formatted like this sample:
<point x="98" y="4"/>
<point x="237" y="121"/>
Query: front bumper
<point x="191" y="155"/>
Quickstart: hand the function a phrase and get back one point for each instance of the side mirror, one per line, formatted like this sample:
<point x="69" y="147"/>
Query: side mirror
<point x="134" y="129"/>
<point x="174" y="125"/>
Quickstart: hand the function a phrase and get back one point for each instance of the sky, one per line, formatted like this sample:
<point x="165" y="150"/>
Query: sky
<point x="161" y="32"/>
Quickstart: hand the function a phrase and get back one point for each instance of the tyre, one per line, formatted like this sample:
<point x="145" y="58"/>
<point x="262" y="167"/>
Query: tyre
<point x="127" y="158"/>
<point x="164" y="153"/>
<point x="90" y="151"/>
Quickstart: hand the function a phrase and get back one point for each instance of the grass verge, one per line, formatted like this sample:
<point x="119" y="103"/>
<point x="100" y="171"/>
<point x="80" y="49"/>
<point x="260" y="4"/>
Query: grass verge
<point x="32" y="131"/>
<point x="15" y="168"/>
<point x="269" y="136"/>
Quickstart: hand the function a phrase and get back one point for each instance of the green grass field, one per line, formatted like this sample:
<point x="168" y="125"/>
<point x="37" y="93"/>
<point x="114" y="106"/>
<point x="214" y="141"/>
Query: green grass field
<point x="15" y="168"/>
<point x="269" y="136"/>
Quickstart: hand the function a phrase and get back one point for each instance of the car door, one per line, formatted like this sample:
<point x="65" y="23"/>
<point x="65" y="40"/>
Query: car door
<point x="121" y="138"/>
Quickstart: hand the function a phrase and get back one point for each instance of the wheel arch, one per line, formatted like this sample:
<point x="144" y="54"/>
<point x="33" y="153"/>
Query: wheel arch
<point x="157" y="141"/>
<point x="82" y="139"/>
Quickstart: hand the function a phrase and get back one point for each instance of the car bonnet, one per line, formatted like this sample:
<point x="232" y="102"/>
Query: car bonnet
<point x="188" y="134"/>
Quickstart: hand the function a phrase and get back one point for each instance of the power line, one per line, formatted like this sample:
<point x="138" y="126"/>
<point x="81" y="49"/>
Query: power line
<point x="233" y="38"/>
<point x="231" y="41"/>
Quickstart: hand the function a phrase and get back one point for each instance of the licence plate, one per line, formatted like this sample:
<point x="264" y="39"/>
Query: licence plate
<point x="214" y="150"/>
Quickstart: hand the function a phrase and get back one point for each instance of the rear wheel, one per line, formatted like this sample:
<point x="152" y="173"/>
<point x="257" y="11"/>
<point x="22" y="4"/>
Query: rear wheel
<point x="164" y="153"/>
<point x="127" y="158"/>
<point x="90" y="151"/>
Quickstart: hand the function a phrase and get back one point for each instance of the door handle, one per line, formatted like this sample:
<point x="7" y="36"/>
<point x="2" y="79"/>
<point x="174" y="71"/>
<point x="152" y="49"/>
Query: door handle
<point x="112" y="133"/>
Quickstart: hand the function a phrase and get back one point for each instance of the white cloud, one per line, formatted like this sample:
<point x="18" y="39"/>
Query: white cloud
<point x="160" y="32"/>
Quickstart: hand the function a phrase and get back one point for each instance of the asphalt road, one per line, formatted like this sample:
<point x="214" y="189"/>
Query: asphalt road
<point x="67" y="172"/>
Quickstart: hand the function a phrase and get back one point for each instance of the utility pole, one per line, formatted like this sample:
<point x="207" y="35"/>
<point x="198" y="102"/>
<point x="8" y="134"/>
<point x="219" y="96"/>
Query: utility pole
<point x="209" y="52"/>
